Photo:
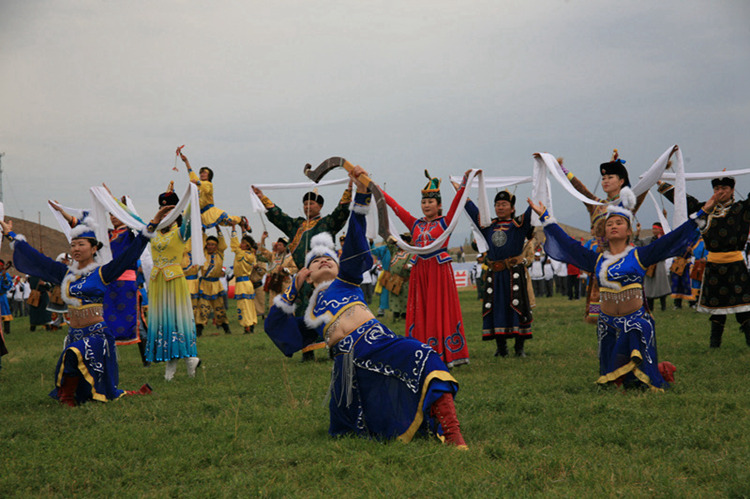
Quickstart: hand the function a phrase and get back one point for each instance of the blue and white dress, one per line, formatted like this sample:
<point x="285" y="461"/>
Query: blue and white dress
<point x="627" y="344"/>
<point x="89" y="352"/>
<point x="382" y="385"/>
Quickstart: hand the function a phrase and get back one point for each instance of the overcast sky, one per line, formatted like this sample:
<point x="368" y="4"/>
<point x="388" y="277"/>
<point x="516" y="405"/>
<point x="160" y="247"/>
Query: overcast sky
<point x="105" y="90"/>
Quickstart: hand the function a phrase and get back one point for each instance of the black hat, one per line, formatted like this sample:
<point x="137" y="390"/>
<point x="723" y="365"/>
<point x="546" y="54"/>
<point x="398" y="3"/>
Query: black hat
<point x="615" y="168"/>
<point x="283" y="240"/>
<point x="210" y="172"/>
<point x="313" y="196"/>
<point x="723" y="181"/>
<point x="505" y="196"/>
<point x="168" y="198"/>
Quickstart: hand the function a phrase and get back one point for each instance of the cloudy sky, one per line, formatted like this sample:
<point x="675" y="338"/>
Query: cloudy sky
<point x="105" y="90"/>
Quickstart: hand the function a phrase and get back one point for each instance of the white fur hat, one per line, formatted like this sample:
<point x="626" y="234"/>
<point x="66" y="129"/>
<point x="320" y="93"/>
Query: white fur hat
<point x="321" y="245"/>
<point x="86" y="228"/>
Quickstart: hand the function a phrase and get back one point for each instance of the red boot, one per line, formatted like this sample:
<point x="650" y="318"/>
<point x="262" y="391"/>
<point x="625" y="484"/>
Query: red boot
<point x="445" y="412"/>
<point x="144" y="390"/>
<point x="66" y="394"/>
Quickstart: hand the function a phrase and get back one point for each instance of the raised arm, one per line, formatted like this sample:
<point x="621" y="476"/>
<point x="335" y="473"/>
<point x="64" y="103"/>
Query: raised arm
<point x="400" y="212"/>
<point x="191" y="174"/>
<point x="456" y="199"/>
<point x="560" y="246"/>
<point x="112" y="270"/>
<point x="677" y="241"/>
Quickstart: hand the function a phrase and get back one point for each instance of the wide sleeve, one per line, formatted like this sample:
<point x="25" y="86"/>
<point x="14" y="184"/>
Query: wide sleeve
<point x="675" y="243"/>
<point x="560" y="246"/>
<point x="400" y="212"/>
<point x="580" y="187"/>
<point x="356" y="257"/>
<point x="454" y="204"/>
<point x="282" y="221"/>
<point x="281" y="325"/>
<point x="473" y="211"/>
<point x="234" y="243"/>
<point x="114" y="269"/>
<point x="30" y="261"/>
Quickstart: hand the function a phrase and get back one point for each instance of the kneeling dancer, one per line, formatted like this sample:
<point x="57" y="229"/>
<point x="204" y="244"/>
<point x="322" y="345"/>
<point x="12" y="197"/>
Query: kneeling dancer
<point x="627" y="341"/>
<point x="382" y="385"/>
<point x="87" y="368"/>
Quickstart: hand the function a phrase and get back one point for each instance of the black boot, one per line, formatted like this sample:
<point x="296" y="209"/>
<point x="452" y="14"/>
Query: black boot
<point x="226" y="328"/>
<point x="519" y="347"/>
<point x="745" y="328"/>
<point x="199" y="330"/>
<point x="308" y="356"/>
<point x="717" y="329"/>
<point x="502" y="347"/>
<point x="6" y="327"/>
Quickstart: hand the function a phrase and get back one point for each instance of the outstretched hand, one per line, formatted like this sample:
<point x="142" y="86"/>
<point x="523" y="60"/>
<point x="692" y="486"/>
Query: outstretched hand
<point x="538" y="208"/>
<point x="7" y="226"/>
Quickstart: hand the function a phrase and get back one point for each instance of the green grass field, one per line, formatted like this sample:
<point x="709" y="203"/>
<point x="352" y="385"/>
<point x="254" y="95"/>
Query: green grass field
<point x="253" y="423"/>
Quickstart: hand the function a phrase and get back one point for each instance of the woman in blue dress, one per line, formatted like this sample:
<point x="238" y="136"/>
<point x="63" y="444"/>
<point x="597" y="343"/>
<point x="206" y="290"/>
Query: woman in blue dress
<point x="87" y="368"/>
<point x="382" y="385"/>
<point x="627" y="341"/>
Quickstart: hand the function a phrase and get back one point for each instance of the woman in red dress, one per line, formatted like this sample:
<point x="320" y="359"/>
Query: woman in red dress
<point x="433" y="312"/>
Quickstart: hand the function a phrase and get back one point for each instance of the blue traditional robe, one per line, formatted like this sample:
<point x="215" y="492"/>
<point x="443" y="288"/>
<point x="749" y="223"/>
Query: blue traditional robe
<point x="89" y="352"/>
<point x="627" y="344"/>
<point x="382" y="385"/>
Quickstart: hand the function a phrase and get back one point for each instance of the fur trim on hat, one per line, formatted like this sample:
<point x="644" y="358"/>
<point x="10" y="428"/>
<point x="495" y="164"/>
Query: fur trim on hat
<point x="86" y="228"/>
<point x="623" y="212"/>
<point x="320" y="245"/>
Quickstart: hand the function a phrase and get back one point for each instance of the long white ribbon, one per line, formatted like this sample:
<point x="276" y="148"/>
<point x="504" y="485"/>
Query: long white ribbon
<point x="103" y="203"/>
<point x="653" y="174"/>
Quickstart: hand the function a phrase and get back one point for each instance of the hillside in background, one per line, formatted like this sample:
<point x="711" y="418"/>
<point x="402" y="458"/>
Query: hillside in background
<point x="49" y="241"/>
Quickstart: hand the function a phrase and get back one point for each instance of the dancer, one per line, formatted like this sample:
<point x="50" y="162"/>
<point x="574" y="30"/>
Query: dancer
<point x="433" y="313"/>
<point x="120" y="302"/>
<point x="211" y="297"/>
<point x="725" y="288"/>
<point x="6" y="284"/>
<point x="280" y="269"/>
<point x="300" y="232"/>
<point x="506" y="310"/>
<point x="211" y="216"/>
<point x="656" y="281"/>
<point x="382" y="385"/>
<point x="87" y="368"/>
<point x="244" y="292"/>
<point x="627" y="341"/>
<point x="616" y="185"/>
<point x="171" y="328"/>
<point x="398" y="283"/>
